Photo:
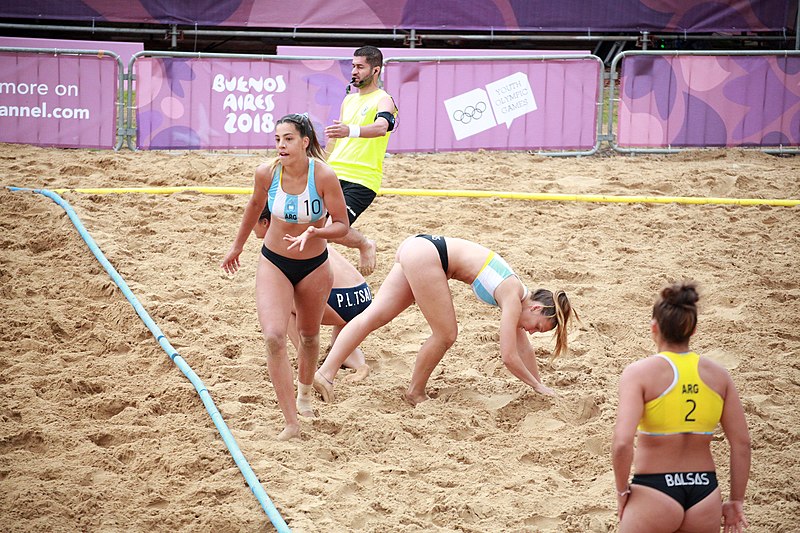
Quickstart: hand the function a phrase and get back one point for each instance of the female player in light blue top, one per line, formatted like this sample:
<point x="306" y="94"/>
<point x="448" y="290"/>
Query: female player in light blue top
<point x="293" y="272"/>
<point x="423" y="265"/>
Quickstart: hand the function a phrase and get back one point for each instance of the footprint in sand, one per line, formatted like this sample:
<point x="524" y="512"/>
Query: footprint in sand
<point x="536" y="423"/>
<point x="396" y="365"/>
<point x="589" y="408"/>
<point x="494" y="402"/>
<point x="540" y="523"/>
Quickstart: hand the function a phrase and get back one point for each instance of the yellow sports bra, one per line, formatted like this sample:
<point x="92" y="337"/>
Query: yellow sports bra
<point x="687" y="406"/>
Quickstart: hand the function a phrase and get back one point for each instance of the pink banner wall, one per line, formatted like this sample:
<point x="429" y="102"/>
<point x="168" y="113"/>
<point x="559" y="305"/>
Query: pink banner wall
<point x="232" y="103"/>
<point x="65" y="101"/>
<point x="496" y="105"/>
<point x="699" y="101"/>
<point x="124" y="50"/>
<point x="448" y="15"/>
<point x="343" y="51"/>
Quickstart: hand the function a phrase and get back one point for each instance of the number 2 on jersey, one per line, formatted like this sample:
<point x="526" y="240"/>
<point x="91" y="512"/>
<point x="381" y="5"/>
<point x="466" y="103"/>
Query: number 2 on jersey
<point x="689" y="414"/>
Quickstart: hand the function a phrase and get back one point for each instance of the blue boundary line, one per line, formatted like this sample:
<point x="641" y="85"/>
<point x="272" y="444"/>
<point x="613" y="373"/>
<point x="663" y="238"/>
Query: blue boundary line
<point x="252" y="481"/>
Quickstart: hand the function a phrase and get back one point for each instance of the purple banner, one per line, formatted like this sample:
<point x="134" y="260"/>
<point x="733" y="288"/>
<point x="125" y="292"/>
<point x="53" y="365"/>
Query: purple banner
<point x="501" y="105"/>
<point x="213" y="103"/>
<point x="124" y="50"/>
<point x="342" y="51"/>
<point x="65" y="100"/>
<point x="694" y="101"/>
<point x="498" y="15"/>
<point x="232" y="103"/>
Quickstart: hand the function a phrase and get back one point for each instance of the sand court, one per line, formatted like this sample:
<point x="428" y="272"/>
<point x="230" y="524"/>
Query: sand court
<point x="101" y="432"/>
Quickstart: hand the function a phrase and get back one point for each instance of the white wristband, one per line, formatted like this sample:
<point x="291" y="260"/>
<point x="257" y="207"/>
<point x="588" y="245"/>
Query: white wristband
<point x="355" y="130"/>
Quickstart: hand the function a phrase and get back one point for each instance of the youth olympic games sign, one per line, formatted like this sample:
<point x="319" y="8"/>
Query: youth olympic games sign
<point x="502" y="104"/>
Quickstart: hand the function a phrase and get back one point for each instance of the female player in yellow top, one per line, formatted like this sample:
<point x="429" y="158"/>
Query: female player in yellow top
<point x="676" y="399"/>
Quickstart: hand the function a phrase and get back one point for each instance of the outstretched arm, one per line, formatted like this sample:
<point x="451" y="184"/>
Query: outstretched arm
<point x="255" y="206"/>
<point x="510" y="343"/>
<point x="527" y="355"/>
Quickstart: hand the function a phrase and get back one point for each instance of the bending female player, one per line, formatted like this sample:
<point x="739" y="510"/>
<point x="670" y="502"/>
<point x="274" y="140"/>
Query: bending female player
<point x="677" y="398"/>
<point x="293" y="272"/>
<point x="423" y="265"/>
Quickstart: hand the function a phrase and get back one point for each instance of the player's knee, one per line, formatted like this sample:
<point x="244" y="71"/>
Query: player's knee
<point x="308" y="340"/>
<point x="447" y="337"/>
<point x="275" y="341"/>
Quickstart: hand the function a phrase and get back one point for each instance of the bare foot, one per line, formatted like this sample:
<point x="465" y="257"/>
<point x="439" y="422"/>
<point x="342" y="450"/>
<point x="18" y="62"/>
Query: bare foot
<point x="368" y="258"/>
<point x="323" y="387"/>
<point x="547" y="391"/>
<point x="360" y="374"/>
<point x="415" y="399"/>
<point x="290" y="432"/>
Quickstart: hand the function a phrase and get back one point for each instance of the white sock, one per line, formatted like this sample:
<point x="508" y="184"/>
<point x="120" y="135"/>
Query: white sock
<point x="304" y="395"/>
<point x="304" y="391"/>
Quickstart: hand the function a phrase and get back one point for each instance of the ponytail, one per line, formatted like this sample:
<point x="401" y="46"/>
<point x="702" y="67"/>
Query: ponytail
<point x="558" y="308"/>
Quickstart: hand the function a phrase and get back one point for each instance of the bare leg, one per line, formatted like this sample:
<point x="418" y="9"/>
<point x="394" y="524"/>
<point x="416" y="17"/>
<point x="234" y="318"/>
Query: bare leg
<point x="362" y="370"/>
<point x="303" y="403"/>
<point x="648" y="509"/>
<point x="292" y="331"/>
<point x="431" y="352"/>
<point x="310" y="297"/>
<point x="308" y="352"/>
<point x="273" y="301"/>
<point x="394" y="296"/>
<point x="355" y="360"/>
<point x="367" y="249"/>
<point x="428" y="283"/>
<point x="280" y="373"/>
<point x="349" y="339"/>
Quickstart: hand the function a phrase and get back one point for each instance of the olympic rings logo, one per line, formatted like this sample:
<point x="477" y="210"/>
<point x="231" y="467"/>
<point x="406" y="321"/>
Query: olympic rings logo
<point x="470" y="113"/>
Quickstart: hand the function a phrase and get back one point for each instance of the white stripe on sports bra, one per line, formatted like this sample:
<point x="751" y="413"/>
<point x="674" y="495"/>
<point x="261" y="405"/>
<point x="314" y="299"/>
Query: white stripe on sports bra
<point x="303" y="208"/>
<point x="493" y="272"/>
